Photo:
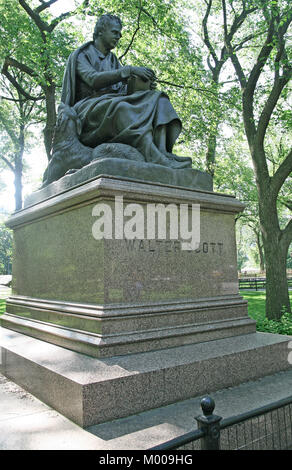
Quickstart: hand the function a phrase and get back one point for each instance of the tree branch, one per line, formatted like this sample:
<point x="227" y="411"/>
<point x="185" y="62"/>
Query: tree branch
<point x="279" y="81"/>
<point x="270" y="104"/>
<point x="150" y="16"/>
<point x="261" y="60"/>
<point x="205" y="90"/>
<point x="238" y="20"/>
<point x="266" y="13"/>
<point x="282" y="53"/>
<point x="206" y="32"/>
<point x="44" y="5"/>
<point x="286" y="234"/>
<point x="134" y="34"/>
<point x="210" y="65"/>
<point x="228" y="36"/>
<point x="20" y="66"/>
<point x="237" y="66"/>
<point x="67" y="14"/>
<point x="224" y="12"/>
<point x="227" y="41"/>
<point x="60" y="18"/>
<point x="281" y="174"/>
<point x="9" y="130"/>
<point x="10" y="99"/>
<point x="42" y="26"/>
<point x="246" y="39"/>
<point x="8" y="163"/>
<point x="287" y="204"/>
<point x="18" y="87"/>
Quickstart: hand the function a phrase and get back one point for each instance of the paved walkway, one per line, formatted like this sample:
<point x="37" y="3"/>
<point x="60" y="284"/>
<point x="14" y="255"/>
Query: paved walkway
<point x="28" y="424"/>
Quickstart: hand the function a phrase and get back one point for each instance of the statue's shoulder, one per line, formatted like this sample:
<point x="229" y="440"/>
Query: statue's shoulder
<point x="73" y="56"/>
<point x="69" y="79"/>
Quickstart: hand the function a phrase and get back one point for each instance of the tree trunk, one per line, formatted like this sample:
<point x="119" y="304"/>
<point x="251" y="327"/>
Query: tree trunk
<point x="275" y="248"/>
<point x="260" y="250"/>
<point x="51" y="119"/>
<point x="18" y="185"/>
<point x="211" y="151"/>
<point x="277" y="294"/>
<point x="212" y="138"/>
<point x="18" y="169"/>
<point x="262" y="258"/>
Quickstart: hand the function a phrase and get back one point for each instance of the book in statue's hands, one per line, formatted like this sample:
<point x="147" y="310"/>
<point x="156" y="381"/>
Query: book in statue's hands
<point x="136" y="83"/>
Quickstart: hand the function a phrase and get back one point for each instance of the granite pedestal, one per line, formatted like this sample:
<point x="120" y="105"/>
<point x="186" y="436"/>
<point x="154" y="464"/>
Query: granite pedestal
<point x="148" y="303"/>
<point x="106" y="297"/>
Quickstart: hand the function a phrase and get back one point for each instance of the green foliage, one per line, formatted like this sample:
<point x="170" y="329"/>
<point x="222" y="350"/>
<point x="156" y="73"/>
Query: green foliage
<point x="3" y="295"/>
<point x="2" y="306"/>
<point x="289" y="257"/>
<point x="5" y="249"/>
<point x="242" y="258"/>
<point x="32" y="62"/>
<point x="22" y="40"/>
<point x="283" y="326"/>
<point x="16" y="118"/>
<point x="256" y="310"/>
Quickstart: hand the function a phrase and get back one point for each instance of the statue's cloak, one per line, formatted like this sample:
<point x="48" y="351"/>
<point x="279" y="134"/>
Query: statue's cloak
<point x="69" y="79"/>
<point x="117" y="117"/>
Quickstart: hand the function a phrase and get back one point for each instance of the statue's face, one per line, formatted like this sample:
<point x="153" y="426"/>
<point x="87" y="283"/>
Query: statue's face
<point x="111" y="34"/>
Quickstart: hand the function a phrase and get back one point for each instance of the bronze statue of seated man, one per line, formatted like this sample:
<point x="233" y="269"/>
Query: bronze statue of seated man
<point x="104" y="102"/>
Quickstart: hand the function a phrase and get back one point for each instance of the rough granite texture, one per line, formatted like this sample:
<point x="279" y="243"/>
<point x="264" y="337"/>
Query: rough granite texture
<point x="117" y="296"/>
<point x="61" y="260"/>
<point x="90" y="391"/>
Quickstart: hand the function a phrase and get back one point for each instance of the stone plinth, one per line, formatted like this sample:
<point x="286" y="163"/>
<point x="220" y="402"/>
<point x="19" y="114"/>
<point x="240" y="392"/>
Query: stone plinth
<point x="117" y="296"/>
<point x="89" y="391"/>
<point x="155" y="323"/>
<point x="126" y="170"/>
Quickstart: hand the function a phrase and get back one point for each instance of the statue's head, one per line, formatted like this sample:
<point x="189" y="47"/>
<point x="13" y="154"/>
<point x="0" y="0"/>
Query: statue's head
<point x="103" y="24"/>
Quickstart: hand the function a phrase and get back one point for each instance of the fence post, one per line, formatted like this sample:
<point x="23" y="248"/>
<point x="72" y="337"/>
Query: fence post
<point x="210" y="424"/>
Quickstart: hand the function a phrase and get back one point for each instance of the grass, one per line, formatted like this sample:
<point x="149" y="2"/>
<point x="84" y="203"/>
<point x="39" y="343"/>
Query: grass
<point x="256" y="310"/>
<point x="2" y="306"/>
<point x="3" y="295"/>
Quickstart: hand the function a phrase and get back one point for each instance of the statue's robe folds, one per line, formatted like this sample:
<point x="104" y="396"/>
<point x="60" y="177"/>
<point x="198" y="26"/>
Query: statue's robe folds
<point x="111" y="115"/>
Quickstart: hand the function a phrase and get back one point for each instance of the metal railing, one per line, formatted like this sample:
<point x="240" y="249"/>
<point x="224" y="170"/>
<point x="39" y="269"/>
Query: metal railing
<point x="257" y="283"/>
<point x="265" y="428"/>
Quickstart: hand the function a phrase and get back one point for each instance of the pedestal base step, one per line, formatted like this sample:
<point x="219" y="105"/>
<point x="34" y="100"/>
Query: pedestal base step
<point x="90" y="391"/>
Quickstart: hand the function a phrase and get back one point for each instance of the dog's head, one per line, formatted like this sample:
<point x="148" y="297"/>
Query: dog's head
<point x="67" y="115"/>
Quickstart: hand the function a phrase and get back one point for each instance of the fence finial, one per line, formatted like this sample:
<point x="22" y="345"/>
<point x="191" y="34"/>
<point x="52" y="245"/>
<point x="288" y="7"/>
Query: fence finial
<point x="207" y="405"/>
<point x="210" y="424"/>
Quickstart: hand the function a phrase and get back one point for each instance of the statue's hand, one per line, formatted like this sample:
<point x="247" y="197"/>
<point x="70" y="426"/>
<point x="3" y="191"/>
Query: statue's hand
<point x="144" y="73"/>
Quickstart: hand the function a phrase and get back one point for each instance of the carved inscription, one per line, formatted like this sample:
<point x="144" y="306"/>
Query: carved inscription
<point x="172" y="246"/>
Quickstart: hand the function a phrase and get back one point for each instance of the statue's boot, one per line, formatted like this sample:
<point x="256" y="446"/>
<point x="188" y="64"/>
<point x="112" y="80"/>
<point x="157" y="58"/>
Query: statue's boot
<point x="186" y="160"/>
<point x="154" y="155"/>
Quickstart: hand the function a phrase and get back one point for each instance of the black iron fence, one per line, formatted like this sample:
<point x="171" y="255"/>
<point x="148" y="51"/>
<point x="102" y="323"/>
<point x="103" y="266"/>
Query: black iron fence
<point x="256" y="283"/>
<point x="265" y="428"/>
